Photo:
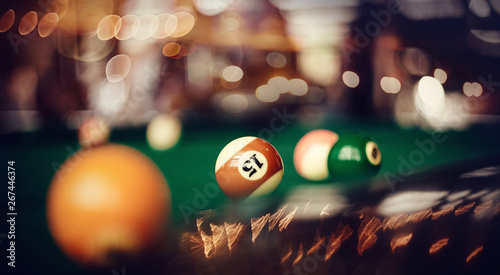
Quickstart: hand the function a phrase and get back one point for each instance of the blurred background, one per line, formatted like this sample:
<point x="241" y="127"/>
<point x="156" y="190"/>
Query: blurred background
<point x="398" y="71"/>
<point x="429" y="64"/>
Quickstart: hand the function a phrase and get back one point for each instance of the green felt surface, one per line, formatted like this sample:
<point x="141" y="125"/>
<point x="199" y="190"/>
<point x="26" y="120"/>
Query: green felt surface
<point x="189" y="168"/>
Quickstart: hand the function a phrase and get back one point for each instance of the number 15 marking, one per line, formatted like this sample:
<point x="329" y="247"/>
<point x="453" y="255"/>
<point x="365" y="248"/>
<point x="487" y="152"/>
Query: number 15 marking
<point x="248" y="166"/>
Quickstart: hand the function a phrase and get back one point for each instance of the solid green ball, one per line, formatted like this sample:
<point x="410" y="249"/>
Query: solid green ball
<point x="354" y="158"/>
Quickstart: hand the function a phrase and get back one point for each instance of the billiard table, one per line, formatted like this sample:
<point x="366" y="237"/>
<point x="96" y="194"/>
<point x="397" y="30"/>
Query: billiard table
<point x="432" y="208"/>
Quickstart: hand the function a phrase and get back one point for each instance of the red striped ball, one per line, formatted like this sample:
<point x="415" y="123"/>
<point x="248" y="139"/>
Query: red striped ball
<point x="248" y="167"/>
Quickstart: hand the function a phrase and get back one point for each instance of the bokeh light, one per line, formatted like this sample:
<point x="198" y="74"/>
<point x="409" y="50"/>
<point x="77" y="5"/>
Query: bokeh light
<point x="230" y="21"/>
<point x="266" y="93"/>
<point x="190" y="48"/>
<point x="211" y="7"/>
<point x="319" y="65"/>
<point x="279" y="84"/>
<point x="482" y="20"/>
<point x="480" y="8"/>
<point x="47" y="24"/>
<point x="198" y="73"/>
<point x="167" y="23"/>
<point x="171" y="49"/>
<point x="298" y="87"/>
<point x="430" y="97"/>
<point x="472" y="89"/>
<point x="276" y="60"/>
<point x="495" y="4"/>
<point x="118" y="68"/>
<point x="28" y="23"/>
<point x="126" y="27"/>
<point x="390" y="85"/>
<point x="7" y="20"/>
<point x="429" y="10"/>
<point x="410" y="202"/>
<point x="163" y="132"/>
<point x="112" y="96"/>
<point x="440" y="75"/>
<point x="351" y="79"/>
<point x="234" y="103"/>
<point x="490" y="36"/>
<point x="232" y="73"/>
<point x="87" y="48"/>
<point x="185" y="23"/>
<point x="147" y="26"/>
<point x="106" y="27"/>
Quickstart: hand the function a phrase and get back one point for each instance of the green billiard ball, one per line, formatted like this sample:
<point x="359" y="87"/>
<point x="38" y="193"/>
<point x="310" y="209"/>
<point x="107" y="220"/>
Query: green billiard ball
<point x="354" y="157"/>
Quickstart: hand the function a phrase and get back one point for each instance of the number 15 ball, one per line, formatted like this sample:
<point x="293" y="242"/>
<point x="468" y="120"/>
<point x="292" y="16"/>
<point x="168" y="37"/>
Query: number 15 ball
<point x="248" y="167"/>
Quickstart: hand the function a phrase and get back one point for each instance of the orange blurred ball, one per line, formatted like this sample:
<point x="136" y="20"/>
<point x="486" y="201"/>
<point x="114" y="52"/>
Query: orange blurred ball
<point x="106" y="203"/>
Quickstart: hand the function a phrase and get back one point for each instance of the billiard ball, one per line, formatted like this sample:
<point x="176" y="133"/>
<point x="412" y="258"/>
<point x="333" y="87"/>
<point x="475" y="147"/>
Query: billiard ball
<point x="163" y="132"/>
<point x="107" y="204"/>
<point x="354" y="157"/>
<point x="93" y="131"/>
<point x="311" y="154"/>
<point x="248" y="167"/>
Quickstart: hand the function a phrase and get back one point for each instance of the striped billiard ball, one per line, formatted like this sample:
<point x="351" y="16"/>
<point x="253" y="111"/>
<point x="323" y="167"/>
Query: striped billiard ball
<point x="248" y="167"/>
